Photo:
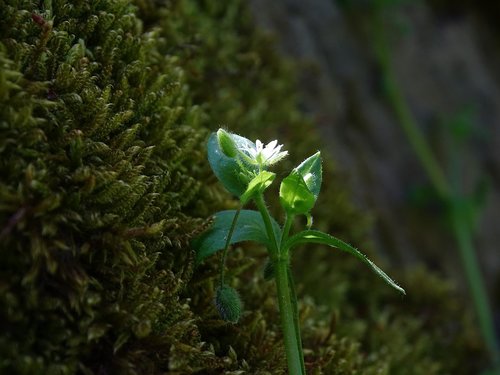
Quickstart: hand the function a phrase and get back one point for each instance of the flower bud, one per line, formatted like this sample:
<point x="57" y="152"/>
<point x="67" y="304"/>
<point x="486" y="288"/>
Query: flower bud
<point x="228" y="303"/>
<point x="226" y="143"/>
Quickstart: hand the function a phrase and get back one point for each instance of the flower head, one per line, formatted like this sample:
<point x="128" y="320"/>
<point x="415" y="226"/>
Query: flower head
<point x="263" y="156"/>
<point x="252" y="154"/>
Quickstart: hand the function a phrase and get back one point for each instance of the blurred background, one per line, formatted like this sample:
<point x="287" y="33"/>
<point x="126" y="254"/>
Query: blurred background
<point x="406" y="96"/>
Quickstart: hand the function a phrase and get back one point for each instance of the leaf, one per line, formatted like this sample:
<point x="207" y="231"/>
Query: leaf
<point x="258" y="184"/>
<point x="295" y="196"/>
<point x="229" y="172"/>
<point x="249" y="227"/>
<point x="311" y="172"/>
<point x="314" y="236"/>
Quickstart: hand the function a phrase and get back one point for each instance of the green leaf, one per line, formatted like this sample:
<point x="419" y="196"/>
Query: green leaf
<point x="295" y="196"/>
<point x="314" y="236"/>
<point x="228" y="170"/>
<point x="249" y="227"/>
<point x="311" y="172"/>
<point x="258" y="184"/>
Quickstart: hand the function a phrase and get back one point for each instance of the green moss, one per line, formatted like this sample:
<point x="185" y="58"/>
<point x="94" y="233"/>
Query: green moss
<point x="97" y="181"/>
<point x="104" y="112"/>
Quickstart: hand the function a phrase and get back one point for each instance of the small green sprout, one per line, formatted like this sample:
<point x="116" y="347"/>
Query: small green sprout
<point x="242" y="167"/>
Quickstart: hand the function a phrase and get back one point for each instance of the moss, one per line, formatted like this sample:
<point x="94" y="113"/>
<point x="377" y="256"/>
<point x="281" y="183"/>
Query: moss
<point x="97" y="185"/>
<point x="104" y="112"/>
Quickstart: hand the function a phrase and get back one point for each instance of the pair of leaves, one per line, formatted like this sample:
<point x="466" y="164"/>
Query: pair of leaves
<point x="249" y="227"/>
<point x="299" y="191"/>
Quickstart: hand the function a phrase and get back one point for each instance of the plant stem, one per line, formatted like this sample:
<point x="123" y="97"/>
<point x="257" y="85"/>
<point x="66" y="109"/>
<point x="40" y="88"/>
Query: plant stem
<point x="461" y="229"/>
<point x="293" y="348"/>
<point x="475" y="280"/>
<point x="293" y="298"/>
<point x="261" y="205"/>
<point x="226" y="246"/>
<point x="404" y="114"/>
<point x="286" y="294"/>
<point x="286" y="227"/>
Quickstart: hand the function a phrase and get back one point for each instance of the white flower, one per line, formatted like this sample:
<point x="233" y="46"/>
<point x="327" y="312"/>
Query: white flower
<point x="261" y="155"/>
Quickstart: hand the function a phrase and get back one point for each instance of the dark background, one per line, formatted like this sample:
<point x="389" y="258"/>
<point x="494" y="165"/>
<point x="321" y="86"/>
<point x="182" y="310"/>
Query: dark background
<point x="444" y="58"/>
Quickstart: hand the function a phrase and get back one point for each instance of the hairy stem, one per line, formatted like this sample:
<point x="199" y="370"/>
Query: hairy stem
<point x="287" y="300"/>
<point x="293" y="298"/>
<point x="261" y="205"/>
<point x="286" y="227"/>
<point x="226" y="246"/>
<point x="291" y="336"/>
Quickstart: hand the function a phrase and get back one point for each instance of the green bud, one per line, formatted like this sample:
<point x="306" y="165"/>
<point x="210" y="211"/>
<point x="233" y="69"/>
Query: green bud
<point x="228" y="303"/>
<point x="226" y="143"/>
<point x="295" y="196"/>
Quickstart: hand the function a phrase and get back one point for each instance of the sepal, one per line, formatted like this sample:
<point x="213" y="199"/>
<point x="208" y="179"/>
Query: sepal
<point x="257" y="185"/>
<point x="231" y="172"/>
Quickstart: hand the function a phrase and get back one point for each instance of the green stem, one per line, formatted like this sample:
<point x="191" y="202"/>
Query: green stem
<point x="462" y="231"/>
<point x="475" y="280"/>
<point x="261" y="205"/>
<point x="226" y="246"/>
<point x="286" y="227"/>
<point x="291" y="337"/>
<point x="293" y="298"/>
<point x="286" y="294"/>
<point x="405" y="117"/>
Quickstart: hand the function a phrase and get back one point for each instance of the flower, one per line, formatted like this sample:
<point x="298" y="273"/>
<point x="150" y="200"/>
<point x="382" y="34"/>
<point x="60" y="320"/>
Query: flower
<point x="258" y="154"/>
<point x="253" y="154"/>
